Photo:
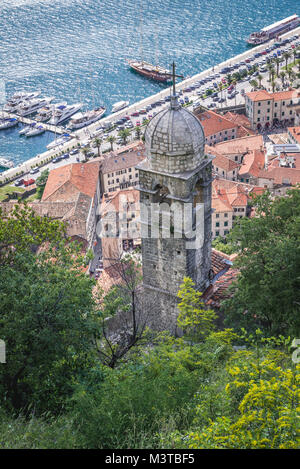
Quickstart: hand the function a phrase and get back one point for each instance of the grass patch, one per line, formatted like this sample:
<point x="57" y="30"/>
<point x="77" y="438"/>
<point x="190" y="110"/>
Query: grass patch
<point x="8" y="189"/>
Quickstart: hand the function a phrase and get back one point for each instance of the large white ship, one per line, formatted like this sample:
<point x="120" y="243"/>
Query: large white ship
<point x="17" y="99"/>
<point x="64" y="112"/>
<point x="82" y="119"/>
<point x="274" y="30"/>
<point x="29" y="107"/>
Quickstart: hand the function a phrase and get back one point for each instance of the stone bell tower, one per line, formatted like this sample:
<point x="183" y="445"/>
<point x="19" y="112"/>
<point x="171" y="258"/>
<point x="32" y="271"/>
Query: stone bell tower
<point x="176" y="176"/>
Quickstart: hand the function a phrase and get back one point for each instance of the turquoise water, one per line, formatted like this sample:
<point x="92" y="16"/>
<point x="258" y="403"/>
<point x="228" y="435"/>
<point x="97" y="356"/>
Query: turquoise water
<point x="76" y="50"/>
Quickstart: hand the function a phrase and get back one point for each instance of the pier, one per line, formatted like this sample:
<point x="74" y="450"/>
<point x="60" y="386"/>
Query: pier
<point x="82" y="135"/>
<point x="29" y="121"/>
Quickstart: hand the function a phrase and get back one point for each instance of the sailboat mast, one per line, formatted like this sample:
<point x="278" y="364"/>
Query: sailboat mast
<point x="141" y="30"/>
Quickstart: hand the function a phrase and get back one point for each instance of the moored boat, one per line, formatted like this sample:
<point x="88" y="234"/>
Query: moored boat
<point x="64" y="112"/>
<point x="8" y="123"/>
<point x="82" y="119"/>
<point x="27" y="128"/>
<point x="119" y="106"/>
<point x="154" y="72"/>
<point x="36" y="130"/>
<point x="46" y="112"/>
<point x="59" y="141"/>
<point x="273" y="31"/>
<point x="5" y="164"/>
<point x="29" y="107"/>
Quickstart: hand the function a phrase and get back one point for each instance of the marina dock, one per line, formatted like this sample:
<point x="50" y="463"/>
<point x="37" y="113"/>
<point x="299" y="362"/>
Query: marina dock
<point x="28" y="121"/>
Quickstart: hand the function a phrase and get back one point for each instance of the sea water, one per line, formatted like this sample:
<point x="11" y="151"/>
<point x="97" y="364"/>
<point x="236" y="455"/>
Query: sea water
<point x="76" y="50"/>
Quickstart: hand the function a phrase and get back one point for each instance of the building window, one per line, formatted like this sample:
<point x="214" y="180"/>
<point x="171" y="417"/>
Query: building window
<point x="259" y="104"/>
<point x="275" y="104"/>
<point x="217" y="224"/>
<point x="225" y="223"/>
<point x="217" y="215"/>
<point x="268" y="102"/>
<point x="282" y="113"/>
<point x="268" y="110"/>
<point x="258" y="112"/>
<point x="225" y="215"/>
<point x="217" y="233"/>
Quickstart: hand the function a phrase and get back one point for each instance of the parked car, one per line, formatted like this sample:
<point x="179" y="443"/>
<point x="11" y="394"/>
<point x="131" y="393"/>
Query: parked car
<point x="34" y="171"/>
<point x="19" y="182"/>
<point x="74" y="152"/>
<point x="29" y="182"/>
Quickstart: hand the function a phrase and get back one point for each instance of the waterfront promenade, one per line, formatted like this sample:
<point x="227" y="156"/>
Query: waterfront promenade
<point x="83" y="135"/>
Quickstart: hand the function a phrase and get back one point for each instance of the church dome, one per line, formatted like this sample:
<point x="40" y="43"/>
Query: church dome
<point x="174" y="140"/>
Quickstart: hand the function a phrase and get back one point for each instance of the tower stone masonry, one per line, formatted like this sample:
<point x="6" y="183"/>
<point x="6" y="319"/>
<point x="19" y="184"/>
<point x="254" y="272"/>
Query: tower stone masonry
<point x="176" y="176"/>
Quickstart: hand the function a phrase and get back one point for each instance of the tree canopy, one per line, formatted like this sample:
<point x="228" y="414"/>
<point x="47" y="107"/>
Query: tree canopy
<point x="267" y="292"/>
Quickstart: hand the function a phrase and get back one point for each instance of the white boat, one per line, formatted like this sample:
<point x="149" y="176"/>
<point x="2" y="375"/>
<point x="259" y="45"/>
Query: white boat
<point x="7" y="123"/>
<point x="59" y="141"/>
<point x="119" y="106"/>
<point x="19" y="98"/>
<point x="273" y="30"/>
<point x="36" y="130"/>
<point x="27" y="128"/>
<point x="5" y="164"/>
<point x="64" y="112"/>
<point x="46" y="112"/>
<point x="82" y="119"/>
<point x="31" y="106"/>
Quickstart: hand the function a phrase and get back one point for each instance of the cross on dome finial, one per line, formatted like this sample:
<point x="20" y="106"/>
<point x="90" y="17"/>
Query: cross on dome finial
<point x="174" y="101"/>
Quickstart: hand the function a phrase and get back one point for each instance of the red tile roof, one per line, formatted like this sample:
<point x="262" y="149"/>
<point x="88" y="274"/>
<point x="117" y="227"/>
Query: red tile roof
<point x="253" y="163"/>
<point x="221" y="161"/>
<point x="240" y="145"/>
<point x="65" y="182"/>
<point x="214" y="123"/>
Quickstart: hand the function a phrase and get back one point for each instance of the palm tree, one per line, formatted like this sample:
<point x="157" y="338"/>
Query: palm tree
<point x="282" y="77"/>
<point x="85" y="151"/>
<point x="253" y="83"/>
<point x="273" y="84"/>
<point x="98" y="143"/>
<point x="259" y="77"/>
<point x="124" y="134"/>
<point x="271" y="70"/>
<point x="286" y="57"/>
<point x="228" y="78"/>
<point x="277" y="61"/>
<point x="138" y="132"/>
<point x="111" y="139"/>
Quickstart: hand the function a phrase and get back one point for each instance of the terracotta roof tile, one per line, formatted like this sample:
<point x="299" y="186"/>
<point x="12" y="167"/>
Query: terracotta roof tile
<point x="68" y="180"/>
<point x="213" y="123"/>
<point x="240" y="145"/>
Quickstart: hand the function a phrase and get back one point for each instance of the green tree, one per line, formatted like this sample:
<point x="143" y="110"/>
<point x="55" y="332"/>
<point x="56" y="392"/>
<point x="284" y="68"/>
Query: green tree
<point x="194" y="319"/>
<point x="85" y="151"/>
<point x="124" y="134"/>
<point x="286" y="56"/>
<point x="138" y="132"/>
<point x="111" y="139"/>
<point x="46" y="307"/>
<point x="267" y="293"/>
<point x="282" y="77"/>
<point x="98" y="143"/>
<point x="41" y="182"/>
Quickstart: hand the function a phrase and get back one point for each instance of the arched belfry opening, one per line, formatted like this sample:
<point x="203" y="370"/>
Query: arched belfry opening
<point x="175" y="174"/>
